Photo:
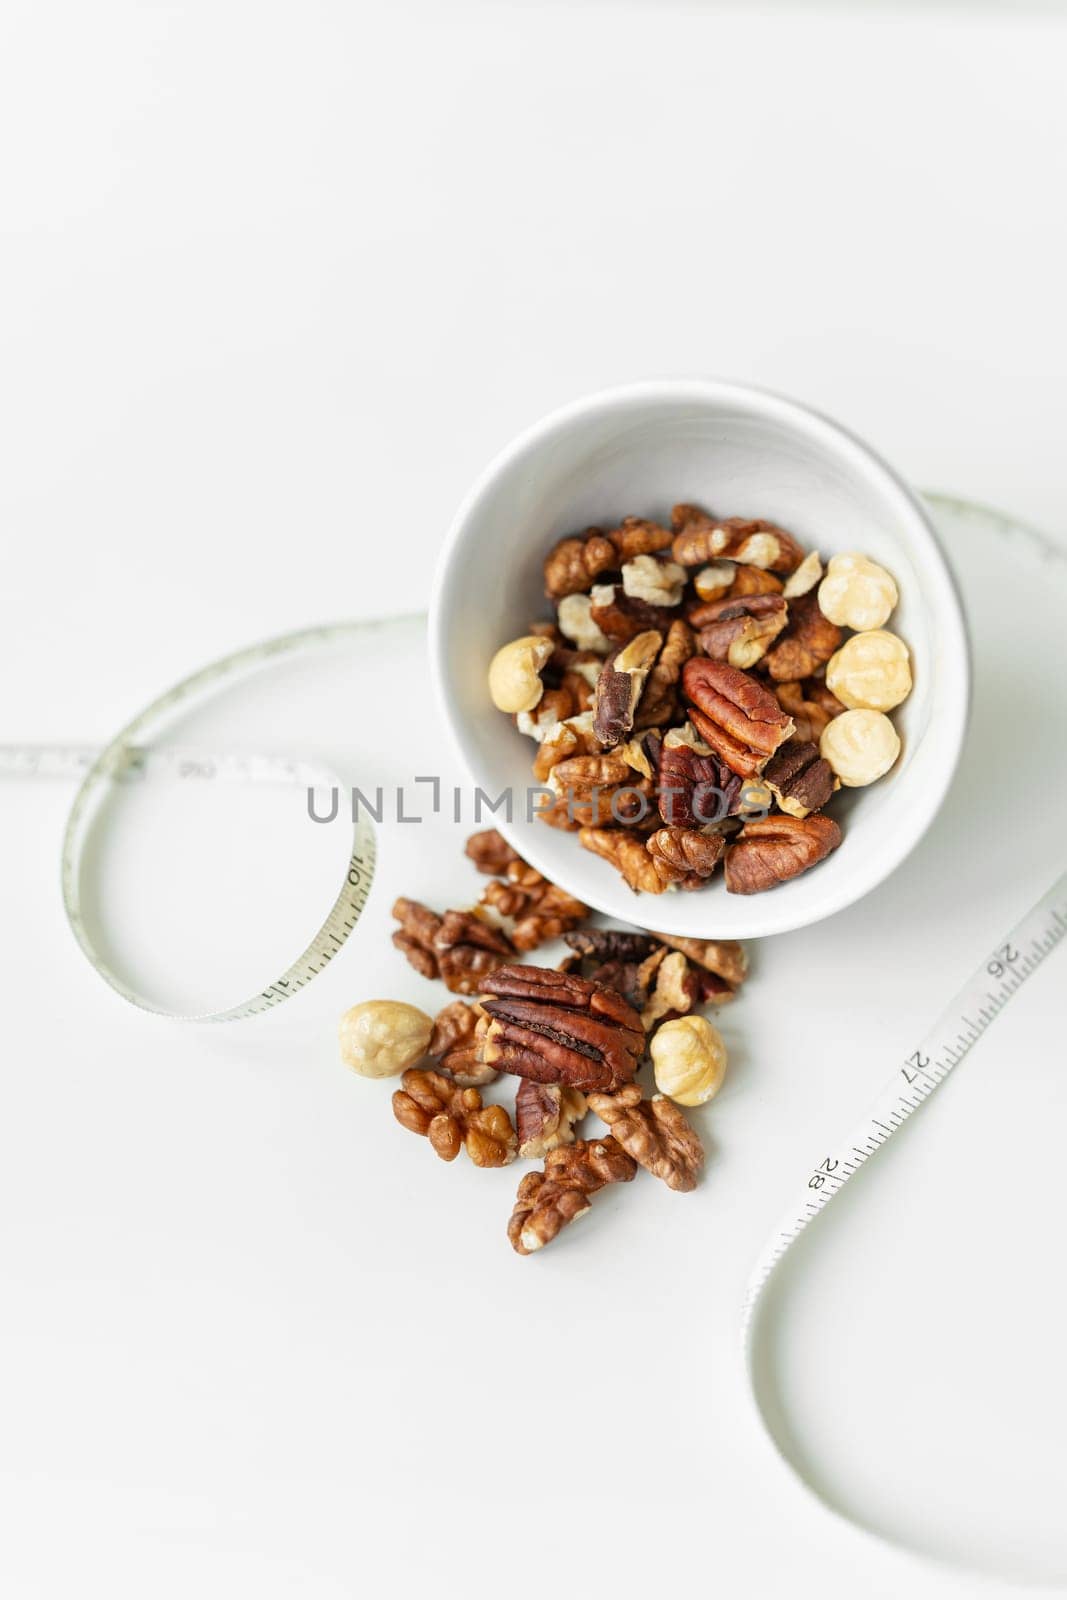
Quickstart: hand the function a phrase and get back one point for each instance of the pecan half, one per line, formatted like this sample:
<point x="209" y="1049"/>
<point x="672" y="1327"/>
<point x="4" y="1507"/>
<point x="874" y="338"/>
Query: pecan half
<point x="547" y="1201"/>
<point x="655" y="1133"/>
<point x="620" y="685"/>
<point x="611" y="944"/>
<point x="587" y="773"/>
<point x="811" y="706"/>
<point x="622" y="618"/>
<point x="452" y="1119"/>
<point x="807" y="643"/>
<point x="739" y="718"/>
<point x="625" y="962"/>
<point x="775" y="849"/>
<point x="696" y="787"/>
<point x="467" y="947"/>
<point x="741" y="631"/>
<point x="753" y="541"/>
<point x="556" y="1027"/>
<point x="598" y="789"/>
<point x="799" y="779"/>
<point x="545" y="1115"/>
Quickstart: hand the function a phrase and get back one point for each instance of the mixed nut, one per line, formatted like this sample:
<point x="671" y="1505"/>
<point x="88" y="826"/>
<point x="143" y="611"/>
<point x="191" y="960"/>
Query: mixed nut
<point x="701" y="693"/>
<point x="575" y="1037"/>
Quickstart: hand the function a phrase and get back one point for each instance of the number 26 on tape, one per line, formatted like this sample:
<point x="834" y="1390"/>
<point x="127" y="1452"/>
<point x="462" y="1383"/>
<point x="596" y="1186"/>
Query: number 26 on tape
<point x="1005" y="957"/>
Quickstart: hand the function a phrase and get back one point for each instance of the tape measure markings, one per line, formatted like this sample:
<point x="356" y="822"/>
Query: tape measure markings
<point x="130" y="755"/>
<point x="977" y="1007"/>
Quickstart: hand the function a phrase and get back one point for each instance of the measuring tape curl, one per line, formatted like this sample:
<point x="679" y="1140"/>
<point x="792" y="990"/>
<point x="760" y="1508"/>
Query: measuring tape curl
<point x="959" y="1028"/>
<point x="125" y="756"/>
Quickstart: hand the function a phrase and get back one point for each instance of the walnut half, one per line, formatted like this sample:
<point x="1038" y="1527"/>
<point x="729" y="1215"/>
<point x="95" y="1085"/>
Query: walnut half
<point x="739" y="718"/>
<point x="455" y="1045"/>
<point x="655" y="1133"/>
<point x="776" y="848"/>
<point x="742" y="631"/>
<point x="753" y="541"/>
<point x="452" y="1119"/>
<point x="547" y="1201"/>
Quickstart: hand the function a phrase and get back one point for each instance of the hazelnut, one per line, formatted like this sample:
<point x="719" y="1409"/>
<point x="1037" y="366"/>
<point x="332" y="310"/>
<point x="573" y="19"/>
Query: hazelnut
<point x="689" y="1060"/>
<point x="578" y="626"/>
<point x="859" y="746"/>
<point x="870" y="672"/>
<point x="381" y="1038"/>
<point x="857" y="593"/>
<point x="515" y="673"/>
<point x="804" y="578"/>
<point x="661" y="583"/>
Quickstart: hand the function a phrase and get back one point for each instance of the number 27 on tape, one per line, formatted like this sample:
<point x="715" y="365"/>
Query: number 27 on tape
<point x="917" y="1062"/>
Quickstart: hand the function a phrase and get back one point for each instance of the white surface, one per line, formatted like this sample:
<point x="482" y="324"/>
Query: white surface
<point x="276" y="284"/>
<point x="255" y="1328"/>
<point x="640" y="450"/>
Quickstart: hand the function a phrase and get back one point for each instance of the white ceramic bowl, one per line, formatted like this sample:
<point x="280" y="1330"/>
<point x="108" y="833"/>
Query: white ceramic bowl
<point x="737" y="451"/>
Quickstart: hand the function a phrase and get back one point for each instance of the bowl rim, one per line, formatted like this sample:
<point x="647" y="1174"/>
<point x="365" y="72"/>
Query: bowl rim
<point x="943" y="598"/>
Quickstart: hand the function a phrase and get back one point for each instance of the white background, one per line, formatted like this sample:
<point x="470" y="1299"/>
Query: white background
<point x="274" y="283"/>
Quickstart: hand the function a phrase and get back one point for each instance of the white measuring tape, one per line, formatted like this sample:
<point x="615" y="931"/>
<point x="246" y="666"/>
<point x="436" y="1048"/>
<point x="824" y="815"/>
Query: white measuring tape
<point x="129" y="755"/>
<point x="961" y="1025"/>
